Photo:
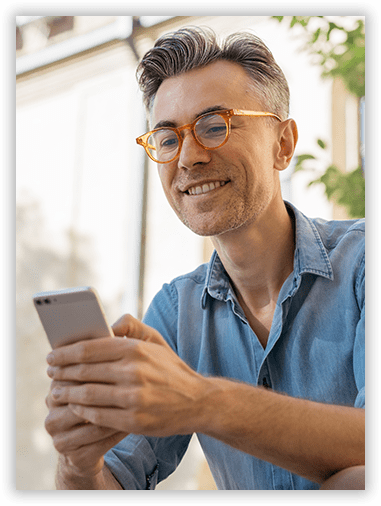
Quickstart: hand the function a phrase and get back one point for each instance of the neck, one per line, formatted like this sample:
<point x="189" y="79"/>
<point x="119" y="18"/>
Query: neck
<point x="259" y="257"/>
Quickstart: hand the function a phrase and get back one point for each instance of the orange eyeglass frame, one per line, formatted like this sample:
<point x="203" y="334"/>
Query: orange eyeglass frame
<point x="225" y="114"/>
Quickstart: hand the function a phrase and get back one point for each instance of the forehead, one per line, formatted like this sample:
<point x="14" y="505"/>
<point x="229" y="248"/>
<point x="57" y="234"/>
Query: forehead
<point x="180" y="99"/>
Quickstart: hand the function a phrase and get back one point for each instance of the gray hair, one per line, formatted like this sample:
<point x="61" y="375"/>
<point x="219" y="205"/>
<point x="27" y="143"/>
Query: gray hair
<point x="190" y="48"/>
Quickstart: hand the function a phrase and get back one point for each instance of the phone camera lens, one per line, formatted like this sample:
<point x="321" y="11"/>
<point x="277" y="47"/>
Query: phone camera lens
<point x="38" y="302"/>
<point x="47" y="301"/>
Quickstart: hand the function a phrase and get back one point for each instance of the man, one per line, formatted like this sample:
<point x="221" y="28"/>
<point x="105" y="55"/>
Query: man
<point x="260" y="352"/>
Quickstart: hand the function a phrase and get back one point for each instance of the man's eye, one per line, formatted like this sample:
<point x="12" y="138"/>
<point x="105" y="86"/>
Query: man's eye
<point x="168" y="142"/>
<point x="216" y="130"/>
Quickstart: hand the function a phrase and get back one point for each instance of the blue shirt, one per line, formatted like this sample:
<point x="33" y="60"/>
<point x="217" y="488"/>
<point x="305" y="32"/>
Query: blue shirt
<point x="315" y="349"/>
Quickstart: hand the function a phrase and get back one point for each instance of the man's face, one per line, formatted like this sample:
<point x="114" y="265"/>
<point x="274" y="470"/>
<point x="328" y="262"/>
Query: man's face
<point x="245" y="180"/>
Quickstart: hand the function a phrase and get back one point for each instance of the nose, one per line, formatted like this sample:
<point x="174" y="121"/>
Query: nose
<point x="192" y="153"/>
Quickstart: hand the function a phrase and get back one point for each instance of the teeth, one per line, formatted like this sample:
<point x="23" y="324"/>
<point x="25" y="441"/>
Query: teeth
<point x="205" y="188"/>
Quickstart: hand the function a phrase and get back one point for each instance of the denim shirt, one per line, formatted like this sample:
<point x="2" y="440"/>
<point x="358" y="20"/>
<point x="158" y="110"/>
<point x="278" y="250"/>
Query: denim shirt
<point x="315" y="349"/>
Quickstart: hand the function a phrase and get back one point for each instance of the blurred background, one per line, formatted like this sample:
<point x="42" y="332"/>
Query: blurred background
<point x="89" y="205"/>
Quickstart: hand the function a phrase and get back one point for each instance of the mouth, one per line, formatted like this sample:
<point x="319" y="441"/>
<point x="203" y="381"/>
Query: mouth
<point x="205" y="187"/>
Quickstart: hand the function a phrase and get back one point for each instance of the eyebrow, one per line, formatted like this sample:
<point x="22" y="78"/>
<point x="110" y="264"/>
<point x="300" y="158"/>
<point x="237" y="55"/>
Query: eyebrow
<point x="171" y="124"/>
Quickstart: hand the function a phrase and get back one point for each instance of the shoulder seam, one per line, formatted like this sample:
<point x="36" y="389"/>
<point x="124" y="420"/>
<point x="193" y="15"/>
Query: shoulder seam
<point x="350" y="230"/>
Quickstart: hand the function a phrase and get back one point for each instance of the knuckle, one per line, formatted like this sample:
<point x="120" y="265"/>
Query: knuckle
<point x="82" y="352"/>
<point x="137" y="400"/>
<point x="119" y="398"/>
<point x="97" y="418"/>
<point x="81" y="370"/>
<point x="89" y="392"/>
<point x="121" y="327"/>
<point x="138" y="421"/>
<point x="139" y="348"/>
<point x="135" y="373"/>
<point x="125" y="318"/>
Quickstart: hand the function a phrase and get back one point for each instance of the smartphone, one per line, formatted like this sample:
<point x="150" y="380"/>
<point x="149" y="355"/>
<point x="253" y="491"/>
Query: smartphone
<point x="71" y="315"/>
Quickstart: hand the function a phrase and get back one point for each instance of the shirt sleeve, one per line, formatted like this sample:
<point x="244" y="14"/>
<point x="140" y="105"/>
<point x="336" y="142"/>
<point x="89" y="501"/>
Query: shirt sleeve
<point x="359" y="345"/>
<point x="139" y="462"/>
<point x="162" y="314"/>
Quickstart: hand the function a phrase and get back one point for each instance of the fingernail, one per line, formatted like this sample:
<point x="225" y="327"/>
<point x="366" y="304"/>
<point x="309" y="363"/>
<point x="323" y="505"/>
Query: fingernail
<point x="56" y="392"/>
<point x="50" y="371"/>
<point x="50" y="358"/>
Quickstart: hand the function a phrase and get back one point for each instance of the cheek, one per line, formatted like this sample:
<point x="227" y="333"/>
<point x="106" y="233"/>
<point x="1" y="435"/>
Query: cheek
<point x="171" y="196"/>
<point x="165" y="179"/>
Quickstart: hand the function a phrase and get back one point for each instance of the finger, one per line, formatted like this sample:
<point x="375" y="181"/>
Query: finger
<point x="92" y="394"/>
<point x="129" y="326"/>
<point x="53" y="403"/>
<point x="61" y="419"/>
<point x="80" y="436"/>
<point x="93" y="350"/>
<point x="83" y="373"/>
<point x="114" y="418"/>
<point x="84" y="457"/>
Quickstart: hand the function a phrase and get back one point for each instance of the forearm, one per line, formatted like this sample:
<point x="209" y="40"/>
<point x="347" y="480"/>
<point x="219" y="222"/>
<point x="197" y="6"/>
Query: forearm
<point x="310" y="439"/>
<point x="66" y="479"/>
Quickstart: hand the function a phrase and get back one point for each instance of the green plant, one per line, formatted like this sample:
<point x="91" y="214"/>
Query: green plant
<point x="341" y="53"/>
<point x="339" y="50"/>
<point x="346" y="188"/>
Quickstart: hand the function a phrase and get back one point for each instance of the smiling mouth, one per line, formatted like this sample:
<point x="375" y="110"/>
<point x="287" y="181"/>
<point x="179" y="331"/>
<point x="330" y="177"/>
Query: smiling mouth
<point x="205" y="188"/>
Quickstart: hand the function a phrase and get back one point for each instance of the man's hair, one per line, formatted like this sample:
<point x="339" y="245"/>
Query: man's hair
<point x="191" y="48"/>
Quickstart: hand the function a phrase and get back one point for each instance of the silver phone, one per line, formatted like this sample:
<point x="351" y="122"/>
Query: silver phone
<point x="71" y="315"/>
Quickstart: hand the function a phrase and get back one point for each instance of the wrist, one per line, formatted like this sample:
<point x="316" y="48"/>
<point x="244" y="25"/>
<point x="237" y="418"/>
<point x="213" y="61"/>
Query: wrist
<point x="225" y="414"/>
<point x="70" y="477"/>
<point x="214" y="402"/>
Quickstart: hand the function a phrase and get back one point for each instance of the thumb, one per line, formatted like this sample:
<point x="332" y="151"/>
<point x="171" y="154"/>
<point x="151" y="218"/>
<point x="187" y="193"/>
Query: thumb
<point x="129" y="326"/>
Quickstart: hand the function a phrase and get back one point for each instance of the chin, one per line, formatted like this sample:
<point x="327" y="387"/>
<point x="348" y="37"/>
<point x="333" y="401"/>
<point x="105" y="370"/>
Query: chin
<point x="212" y="229"/>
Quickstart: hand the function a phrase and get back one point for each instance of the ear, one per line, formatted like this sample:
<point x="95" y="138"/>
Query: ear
<point x="288" y="137"/>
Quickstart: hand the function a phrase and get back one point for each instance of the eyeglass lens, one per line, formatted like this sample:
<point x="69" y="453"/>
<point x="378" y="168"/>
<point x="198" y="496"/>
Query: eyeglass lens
<point x="210" y="131"/>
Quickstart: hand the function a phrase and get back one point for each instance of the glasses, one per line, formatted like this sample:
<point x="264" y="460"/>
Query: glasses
<point x="210" y="131"/>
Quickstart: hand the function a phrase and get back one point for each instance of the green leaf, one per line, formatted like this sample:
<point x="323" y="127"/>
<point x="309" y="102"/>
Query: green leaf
<point x="316" y="36"/>
<point x="302" y="158"/>
<point x="321" y="143"/>
<point x="347" y="188"/>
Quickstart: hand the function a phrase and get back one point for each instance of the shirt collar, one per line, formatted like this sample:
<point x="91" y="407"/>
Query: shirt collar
<point x="310" y="256"/>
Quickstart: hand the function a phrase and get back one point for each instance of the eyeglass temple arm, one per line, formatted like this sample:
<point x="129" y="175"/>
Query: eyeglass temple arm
<point x="239" y="112"/>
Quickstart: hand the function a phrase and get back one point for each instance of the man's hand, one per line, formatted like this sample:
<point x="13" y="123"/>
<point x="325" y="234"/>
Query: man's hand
<point x="81" y="444"/>
<point x="136" y="385"/>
